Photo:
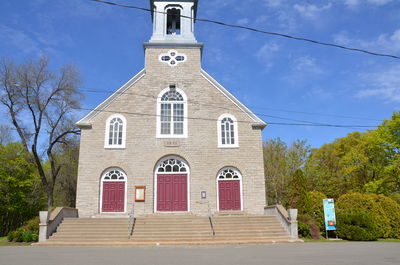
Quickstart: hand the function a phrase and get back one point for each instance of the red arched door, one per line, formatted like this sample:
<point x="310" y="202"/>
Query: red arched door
<point x="113" y="191"/>
<point x="229" y="190"/>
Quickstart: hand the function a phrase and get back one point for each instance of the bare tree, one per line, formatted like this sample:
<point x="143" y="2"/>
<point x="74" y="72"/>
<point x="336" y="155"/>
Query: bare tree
<point x="5" y="134"/>
<point x="41" y="104"/>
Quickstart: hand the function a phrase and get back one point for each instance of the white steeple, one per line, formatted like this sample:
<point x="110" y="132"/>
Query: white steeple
<point x="173" y="21"/>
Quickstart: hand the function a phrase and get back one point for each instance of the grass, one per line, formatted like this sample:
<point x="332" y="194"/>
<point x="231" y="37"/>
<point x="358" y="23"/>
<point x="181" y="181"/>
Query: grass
<point x="323" y="240"/>
<point x="4" y="243"/>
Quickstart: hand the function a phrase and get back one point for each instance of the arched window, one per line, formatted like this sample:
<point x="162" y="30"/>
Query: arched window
<point x="173" y="21"/>
<point x="171" y="114"/>
<point x="227" y="131"/>
<point x="172" y="165"/>
<point x="115" y="131"/>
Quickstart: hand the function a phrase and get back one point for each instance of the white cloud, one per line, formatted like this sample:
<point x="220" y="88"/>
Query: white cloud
<point x="384" y="42"/>
<point x="274" y="3"/>
<point x="384" y="85"/>
<point x="243" y="21"/>
<point x="310" y="11"/>
<point x="355" y="3"/>
<point x="19" y="39"/>
<point x="267" y="53"/>
<point x="306" y="64"/>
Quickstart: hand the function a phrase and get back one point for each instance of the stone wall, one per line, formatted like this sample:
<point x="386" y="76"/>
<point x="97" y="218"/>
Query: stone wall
<point x="200" y="149"/>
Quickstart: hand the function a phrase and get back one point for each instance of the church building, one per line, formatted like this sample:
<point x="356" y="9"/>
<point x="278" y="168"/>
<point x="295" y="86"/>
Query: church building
<point x="172" y="139"/>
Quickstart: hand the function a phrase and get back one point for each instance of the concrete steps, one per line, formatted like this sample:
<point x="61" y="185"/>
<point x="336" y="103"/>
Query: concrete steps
<point x="170" y="229"/>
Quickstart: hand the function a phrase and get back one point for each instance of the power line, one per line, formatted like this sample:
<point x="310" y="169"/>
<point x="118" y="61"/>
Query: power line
<point x="239" y="121"/>
<point x="209" y="105"/>
<point x="256" y="30"/>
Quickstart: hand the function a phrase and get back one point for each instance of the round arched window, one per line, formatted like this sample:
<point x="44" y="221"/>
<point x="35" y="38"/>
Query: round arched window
<point x="172" y="165"/>
<point x="229" y="174"/>
<point x="114" y="175"/>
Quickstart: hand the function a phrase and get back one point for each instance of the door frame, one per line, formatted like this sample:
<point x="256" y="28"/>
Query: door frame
<point x="155" y="183"/>
<point x="241" y="188"/>
<point x="107" y="180"/>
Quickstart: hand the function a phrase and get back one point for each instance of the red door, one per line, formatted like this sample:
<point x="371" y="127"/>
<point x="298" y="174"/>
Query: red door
<point x="113" y="196"/>
<point x="172" y="192"/>
<point x="229" y="195"/>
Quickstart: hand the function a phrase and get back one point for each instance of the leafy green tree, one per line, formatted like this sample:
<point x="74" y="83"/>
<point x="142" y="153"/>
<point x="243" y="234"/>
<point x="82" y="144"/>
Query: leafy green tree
<point x="21" y="195"/>
<point x="280" y="163"/>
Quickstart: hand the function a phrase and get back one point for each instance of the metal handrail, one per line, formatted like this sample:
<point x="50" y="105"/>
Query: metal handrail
<point x="132" y="221"/>
<point x="211" y="219"/>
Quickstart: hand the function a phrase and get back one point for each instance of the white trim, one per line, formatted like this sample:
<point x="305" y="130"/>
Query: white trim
<point x="101" y="189"/>
<point x="172" y="58"/>
<point x="124" y="125"/>
<point x="235" y="129"/>
<point x="241" y="185"/>
<point x="185" y="115"/>
<point x="86" y="121"/>
<point x="155" y="182"/>
<point x="233" y="99"/>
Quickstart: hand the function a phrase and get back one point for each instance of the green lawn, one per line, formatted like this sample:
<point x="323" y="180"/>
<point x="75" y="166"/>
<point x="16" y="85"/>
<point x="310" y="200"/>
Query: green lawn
<point x="4" y="242"/>
<point x="308" y="240"/>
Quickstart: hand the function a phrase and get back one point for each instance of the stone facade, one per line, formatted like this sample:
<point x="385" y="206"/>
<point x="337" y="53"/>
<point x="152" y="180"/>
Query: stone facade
<point x="137" y="102"/>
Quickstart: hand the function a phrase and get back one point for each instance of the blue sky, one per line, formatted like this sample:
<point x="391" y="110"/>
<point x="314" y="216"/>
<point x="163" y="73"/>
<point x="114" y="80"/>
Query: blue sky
<point x="272" y="75"/>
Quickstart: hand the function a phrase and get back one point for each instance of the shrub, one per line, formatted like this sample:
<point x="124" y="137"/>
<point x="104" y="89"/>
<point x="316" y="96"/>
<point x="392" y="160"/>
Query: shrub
<point x="392" y="210"/>
<point x="17" y="235"/>
<point x="357" y="227"/>
<point x="313" y="229"/>
<point x="33" y="225"/>
<point x="304" y="230"/>
<point x="29" y="236"/>
<point x="363" y="204"/>
<point x="27" y="233"/>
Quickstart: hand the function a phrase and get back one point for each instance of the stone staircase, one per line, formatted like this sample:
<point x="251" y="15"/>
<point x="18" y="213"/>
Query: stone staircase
<point x="171" y="229"/>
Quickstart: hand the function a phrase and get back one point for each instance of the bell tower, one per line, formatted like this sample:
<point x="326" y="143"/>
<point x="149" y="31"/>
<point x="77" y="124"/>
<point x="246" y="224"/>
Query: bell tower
<point x="173" y="21"/>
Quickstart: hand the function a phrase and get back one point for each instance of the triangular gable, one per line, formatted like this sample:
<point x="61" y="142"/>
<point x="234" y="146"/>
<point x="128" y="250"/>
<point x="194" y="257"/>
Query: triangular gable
<point x="257" y="121"/>
<point x="86" y="121"/>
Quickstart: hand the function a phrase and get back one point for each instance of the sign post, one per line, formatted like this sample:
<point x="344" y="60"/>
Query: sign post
<point x="330" y="218"/>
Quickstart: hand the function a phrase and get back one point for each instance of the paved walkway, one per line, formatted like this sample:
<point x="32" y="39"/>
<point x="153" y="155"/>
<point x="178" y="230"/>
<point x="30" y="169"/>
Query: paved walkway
<point x="338" y="253"/>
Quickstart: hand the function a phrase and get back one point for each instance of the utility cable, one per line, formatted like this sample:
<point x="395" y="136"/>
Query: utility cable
<point x="256" y="30"/>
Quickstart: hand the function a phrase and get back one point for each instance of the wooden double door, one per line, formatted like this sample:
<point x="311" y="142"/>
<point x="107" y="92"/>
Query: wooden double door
<point x="229" y="195"/>
<point x="172" y="192"/>
<point x="113" y="199"/>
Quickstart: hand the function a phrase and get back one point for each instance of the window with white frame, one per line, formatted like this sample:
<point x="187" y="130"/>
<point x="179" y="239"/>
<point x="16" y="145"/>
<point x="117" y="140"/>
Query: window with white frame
<point x="227" y="131"/>
<point x="115" y="131"/>
<point x="171" y="116"/>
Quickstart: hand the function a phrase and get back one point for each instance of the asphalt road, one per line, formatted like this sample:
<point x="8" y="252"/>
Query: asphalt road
<point x="299" y="253"/>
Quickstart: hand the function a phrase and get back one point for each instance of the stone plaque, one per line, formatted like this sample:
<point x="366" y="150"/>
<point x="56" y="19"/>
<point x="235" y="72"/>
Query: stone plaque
<point x="172" y="143"/>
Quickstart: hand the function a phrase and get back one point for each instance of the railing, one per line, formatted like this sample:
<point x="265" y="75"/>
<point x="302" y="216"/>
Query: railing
<point x="48" y="224"/>
<point x="132" y="221"/>
<point x="286" y="218"/>
<point x="211" y="219"/>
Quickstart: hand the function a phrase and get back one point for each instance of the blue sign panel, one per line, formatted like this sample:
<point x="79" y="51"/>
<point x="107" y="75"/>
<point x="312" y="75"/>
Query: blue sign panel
<point x="329" y="211"/>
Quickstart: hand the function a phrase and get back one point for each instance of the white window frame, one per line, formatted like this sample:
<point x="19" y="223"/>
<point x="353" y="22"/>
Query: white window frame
<point x="241" y="184"/>
<point x="185" y="119"/>
<point x="109" y="180"/>
<point x="235" y="128"/>
<point x="155" y="181"/>
<point x="106" y="140"/>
